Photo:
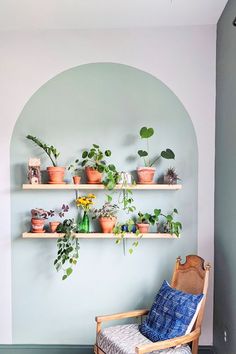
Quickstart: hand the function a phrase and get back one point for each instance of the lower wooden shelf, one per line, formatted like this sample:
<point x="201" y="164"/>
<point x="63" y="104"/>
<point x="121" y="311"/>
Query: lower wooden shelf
<point x="95" y="235"/>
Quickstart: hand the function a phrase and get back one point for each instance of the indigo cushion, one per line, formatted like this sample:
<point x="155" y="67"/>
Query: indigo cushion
<point x="170" y="314"/>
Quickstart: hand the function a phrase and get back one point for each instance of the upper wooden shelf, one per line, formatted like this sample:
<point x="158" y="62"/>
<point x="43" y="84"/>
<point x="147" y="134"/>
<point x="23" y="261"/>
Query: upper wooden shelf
<point x="95" y="235"/>
<point x="101" y="186"/>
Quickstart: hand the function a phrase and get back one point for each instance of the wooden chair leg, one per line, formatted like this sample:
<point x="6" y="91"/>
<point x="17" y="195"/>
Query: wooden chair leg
<point x="195" y="346"/>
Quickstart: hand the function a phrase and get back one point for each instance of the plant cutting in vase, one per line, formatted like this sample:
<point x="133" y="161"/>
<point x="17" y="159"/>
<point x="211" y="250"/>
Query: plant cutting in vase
<point x="126" y="195"/>
<point x="146" y="174"/>
<point x="171" y="177"/>
<point x="85" y="203"/>
<point x="67" y="248"/>
<point x="170" y="226"/>
<point x="56" y="174"/>
<point x="106" y="216"/>
<point x="121" y="229"/>
<point x="94" y="163"/>
<point x="75" y="172"/>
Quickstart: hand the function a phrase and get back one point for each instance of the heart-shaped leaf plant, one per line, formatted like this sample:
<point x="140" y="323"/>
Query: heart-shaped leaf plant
<point x="168" y="154"/>
<point x="146" y="133"/>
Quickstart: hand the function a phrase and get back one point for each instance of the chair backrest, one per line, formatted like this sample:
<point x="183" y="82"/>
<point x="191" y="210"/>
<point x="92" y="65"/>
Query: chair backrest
<point x="192" y="277"/>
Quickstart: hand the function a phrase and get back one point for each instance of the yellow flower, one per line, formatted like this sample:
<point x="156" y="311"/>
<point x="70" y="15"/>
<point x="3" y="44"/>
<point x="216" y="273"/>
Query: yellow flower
<point x="91" y="195"/>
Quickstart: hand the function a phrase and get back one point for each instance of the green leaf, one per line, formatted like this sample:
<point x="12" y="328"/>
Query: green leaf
<point x="101" y="168"/>
<point x="84" y="154"/>
<point x="64" y="277"/>
<point x="168" y="154"/>
<point x="131" y="251"/>
<point x="96" y="146"/>
<point x="69" y="271"/>
<point x="157" y="212"/>
<point x="109" y="198"/>
<point x="112" y="167"/>
<point x="142" y="153"/>
<point x="175" y="211"/>
<point x="169" y="218"/>
<point x="108" y="153"/>
<point x="146" y="133"/>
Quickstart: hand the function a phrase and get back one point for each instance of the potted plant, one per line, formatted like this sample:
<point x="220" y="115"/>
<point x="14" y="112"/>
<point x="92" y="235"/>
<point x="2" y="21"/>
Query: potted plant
<point x="75" y="172"/>
<point x="146" y="173"/>
<point x="171" y="177"/>
<point x="143" y="222"/>
<point x="56" y="174"/>
<point x="61" y="213"/>
<point x="85" y="203"/>
<point x="38" y="220"/>
<point x="106" y="216"/>
<point x="170" y="226"/>
<point x="67" y="248"/>
<point x="94" y="163"/>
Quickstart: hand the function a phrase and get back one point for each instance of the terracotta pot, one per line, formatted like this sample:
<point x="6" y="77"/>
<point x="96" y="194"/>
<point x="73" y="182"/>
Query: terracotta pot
<point x="146" y="175"/>
<point x="143" y="228"/>
<point x="37" y="225"/>
<point x="56" y="175"/>
<point x="107" y="224"/>
<point x="76" y="179"/>
<point x="53" y="225"/>
<point x="93" y="176"/>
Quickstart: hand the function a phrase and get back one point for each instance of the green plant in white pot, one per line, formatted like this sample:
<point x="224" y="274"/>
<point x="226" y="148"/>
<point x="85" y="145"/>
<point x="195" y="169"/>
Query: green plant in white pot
<point x="146" y="173"/>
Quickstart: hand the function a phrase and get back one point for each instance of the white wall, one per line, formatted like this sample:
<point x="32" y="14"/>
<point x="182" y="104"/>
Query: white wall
<point x="183" y="58"/>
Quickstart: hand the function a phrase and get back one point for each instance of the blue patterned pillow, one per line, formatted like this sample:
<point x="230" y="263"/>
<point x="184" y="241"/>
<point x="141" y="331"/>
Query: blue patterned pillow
<point x="170" y="314"/>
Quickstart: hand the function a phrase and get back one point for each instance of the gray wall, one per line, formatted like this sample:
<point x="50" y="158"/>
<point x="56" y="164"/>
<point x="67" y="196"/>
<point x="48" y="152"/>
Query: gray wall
<point x="104" y="104"/>
<point x="225" y="192"/>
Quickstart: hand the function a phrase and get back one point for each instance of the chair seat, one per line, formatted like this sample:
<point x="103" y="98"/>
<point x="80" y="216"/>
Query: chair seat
<point x="123" y="339"/>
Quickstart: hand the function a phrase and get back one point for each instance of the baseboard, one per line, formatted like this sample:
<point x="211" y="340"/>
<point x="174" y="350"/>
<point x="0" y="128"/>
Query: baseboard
<point x="45" y="349"/>
<point x="63" y="349"/>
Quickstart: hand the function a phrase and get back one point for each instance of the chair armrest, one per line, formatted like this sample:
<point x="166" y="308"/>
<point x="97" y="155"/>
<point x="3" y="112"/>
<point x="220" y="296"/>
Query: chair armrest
<point x="169" y="343"/>
<point x="118" y="316"/>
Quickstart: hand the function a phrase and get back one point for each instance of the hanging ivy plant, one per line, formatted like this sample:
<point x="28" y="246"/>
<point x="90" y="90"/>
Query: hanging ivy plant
<point x="67" y="248"/>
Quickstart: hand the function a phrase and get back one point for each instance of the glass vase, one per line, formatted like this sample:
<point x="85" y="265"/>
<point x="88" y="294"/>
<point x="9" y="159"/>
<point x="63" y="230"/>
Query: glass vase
<point x="84" y="224"/>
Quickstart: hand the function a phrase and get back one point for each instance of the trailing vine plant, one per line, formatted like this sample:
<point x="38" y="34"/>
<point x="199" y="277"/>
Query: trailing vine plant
<point x="121" y="229"/>
<point x="67" y="248"/>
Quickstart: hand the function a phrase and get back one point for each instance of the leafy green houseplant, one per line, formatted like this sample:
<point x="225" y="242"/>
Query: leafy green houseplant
<point x="144" y="220"/>
<point x="56" y="174"/>
<point x="75" y="171"/>
<point x="106" y="216"/>
<point x="67" y="248"/>
<point x="171" y="226"/>
<point x="94" y="162"/>
<point x="146" y="173"/>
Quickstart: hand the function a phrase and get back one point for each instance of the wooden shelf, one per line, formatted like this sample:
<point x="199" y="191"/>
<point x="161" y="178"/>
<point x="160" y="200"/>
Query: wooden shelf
<point x="94" y="235"/>
<point x="100" y="186"/>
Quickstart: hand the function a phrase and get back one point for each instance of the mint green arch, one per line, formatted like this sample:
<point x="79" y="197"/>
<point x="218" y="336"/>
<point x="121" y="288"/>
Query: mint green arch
<point x="104" y="103"/>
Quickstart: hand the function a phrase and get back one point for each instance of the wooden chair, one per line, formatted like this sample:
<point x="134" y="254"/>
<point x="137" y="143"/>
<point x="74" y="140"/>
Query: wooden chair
<point x="191" y="277"/>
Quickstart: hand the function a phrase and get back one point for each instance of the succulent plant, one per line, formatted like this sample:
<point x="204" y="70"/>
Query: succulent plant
<point x="171" y="177"/>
